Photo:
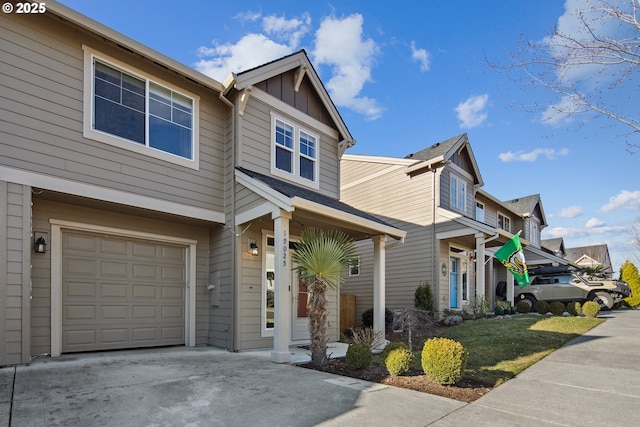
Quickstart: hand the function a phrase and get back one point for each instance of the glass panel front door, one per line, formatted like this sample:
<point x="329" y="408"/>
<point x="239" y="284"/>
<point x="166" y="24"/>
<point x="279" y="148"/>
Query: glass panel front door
<point x="453" y="282"/>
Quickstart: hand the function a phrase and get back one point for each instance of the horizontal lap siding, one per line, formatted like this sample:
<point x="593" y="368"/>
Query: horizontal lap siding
<point x="44" y="210"/>
<point x="42" y="105"/>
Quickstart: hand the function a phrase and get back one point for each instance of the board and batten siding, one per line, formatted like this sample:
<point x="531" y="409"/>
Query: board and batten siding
<point x="15" y="271"/>
<point x="44" y="210"/>
<point x="42" y="106"/>
<point x="256" y="145"/>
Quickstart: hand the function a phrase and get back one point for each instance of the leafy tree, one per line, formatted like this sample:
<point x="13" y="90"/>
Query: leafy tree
<point x="629" y="273"/>
<point x="321" y="257"/>
<point x="590" y="62"/>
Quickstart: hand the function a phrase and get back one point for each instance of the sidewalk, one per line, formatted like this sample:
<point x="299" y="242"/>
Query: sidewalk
<point x="593" y="380"/>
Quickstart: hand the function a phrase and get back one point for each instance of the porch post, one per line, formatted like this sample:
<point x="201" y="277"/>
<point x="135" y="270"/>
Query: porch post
<point x="282" y="294"/>
<point x="480" y="270"/>
<point x="379" y="282"/>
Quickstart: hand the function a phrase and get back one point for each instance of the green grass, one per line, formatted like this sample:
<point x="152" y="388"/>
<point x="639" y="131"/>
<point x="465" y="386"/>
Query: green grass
<point x="500" y="349"/>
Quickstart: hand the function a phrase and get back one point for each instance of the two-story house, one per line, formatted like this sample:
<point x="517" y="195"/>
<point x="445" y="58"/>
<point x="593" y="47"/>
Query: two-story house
<point x="144" y="204"/>
<point x="453" y="226"/>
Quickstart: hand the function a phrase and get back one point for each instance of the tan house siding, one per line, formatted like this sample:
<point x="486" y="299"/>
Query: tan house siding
<point x="256" y="139"/>
<point x="43" y="101"/>
<point x="44" y="210"/>
<point x="15" y="229"/>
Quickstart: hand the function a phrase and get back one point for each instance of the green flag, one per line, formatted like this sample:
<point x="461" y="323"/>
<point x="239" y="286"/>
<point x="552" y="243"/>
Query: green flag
<point x="512" y="257"/>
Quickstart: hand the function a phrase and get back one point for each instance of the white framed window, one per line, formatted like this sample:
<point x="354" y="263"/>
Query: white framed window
<point x="479" y="211"/>
<point x="294" y="152"/>
<point x="354" y="269"/>
<point x="458" y="193"/>
<point x="534" y="233"/>
<point x="126" y="108"/>
<point x="504" y="222"/>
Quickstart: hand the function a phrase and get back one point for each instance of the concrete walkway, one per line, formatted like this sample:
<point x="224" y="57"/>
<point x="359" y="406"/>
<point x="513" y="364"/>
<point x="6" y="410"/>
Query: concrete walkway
<point x="593" y="380"/>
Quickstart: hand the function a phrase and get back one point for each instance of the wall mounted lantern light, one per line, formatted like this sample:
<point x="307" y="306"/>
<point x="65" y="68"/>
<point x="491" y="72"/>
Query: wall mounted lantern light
<point x="40" y="245"/>
<point x="253" y="248"/>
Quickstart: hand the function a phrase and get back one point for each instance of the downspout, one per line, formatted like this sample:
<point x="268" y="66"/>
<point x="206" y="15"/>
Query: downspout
<point x="234" y="240"/>
<point x="434" y="260"/>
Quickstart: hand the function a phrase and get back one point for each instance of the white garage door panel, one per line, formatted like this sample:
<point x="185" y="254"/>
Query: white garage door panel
<point x="121" y="293"/>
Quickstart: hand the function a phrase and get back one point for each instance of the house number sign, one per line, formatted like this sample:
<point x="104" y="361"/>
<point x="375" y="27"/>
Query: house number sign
<point x="285" y="249"/>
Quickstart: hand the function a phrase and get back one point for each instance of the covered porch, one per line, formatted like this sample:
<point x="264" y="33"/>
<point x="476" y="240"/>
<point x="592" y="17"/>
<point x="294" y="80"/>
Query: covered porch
<point x="279" y="214"/>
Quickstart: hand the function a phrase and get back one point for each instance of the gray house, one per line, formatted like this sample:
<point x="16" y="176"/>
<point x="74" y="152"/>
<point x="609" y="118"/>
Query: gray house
<point x="144" y="204"/>
<point x="453" y="226"/>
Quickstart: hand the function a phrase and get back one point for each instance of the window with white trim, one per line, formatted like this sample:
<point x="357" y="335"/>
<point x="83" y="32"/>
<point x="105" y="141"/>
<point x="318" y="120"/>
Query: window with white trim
<point x="458" y="193"/>
<point x="504" y="222"/>
<point x="354" y="268"/>
<point x="479" y="211"/>
<point x="123" y="107"/>
<point x="295" y="153"/>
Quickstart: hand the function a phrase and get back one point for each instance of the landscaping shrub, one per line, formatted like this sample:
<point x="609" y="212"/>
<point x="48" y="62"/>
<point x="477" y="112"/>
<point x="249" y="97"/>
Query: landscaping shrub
<point x="591" y="309"/>
<point x="394" y="345"/>
<point x="359" y="356"/>
<point x="573" y="308"/>
<point x="523" y="307"/>
<point x="423" y="298"/>
<point x="542" y="307"/>
<point x="399" y="361"/>
<point x="557" y="308"/>
<point x="367" y="317"/>
<point x="444" y="360"/>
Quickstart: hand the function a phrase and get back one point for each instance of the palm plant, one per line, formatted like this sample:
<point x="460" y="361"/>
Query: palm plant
<point x="321" y="257"/>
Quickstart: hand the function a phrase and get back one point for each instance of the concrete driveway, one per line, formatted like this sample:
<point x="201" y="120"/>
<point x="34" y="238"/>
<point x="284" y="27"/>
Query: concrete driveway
<point x="592" y="381"/>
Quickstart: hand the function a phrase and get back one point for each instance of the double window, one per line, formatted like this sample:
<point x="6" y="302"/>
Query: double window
<point x="504" y="222"/>
<point x="131" y="111"/>
<point x="295" y="153"/>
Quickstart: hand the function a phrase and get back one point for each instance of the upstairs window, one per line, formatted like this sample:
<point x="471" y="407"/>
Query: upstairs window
<point x="458" y="193"/>
<point x="295" y="153"/>
<point x="127" y="109"/>
<point x="479" y="212"/>
<point x="504" y="222"/>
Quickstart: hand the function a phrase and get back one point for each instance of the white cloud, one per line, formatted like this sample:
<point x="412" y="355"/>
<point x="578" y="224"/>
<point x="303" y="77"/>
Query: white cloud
<point x="421" y="56"/>
<point x="471" y="112"/>
<point x="570" y="212"/>
<point x="250" y="51"/>
<point x="623" y="200"/>
<point x="561" y="112"/>
<point x="340" y="45"/>
<point x="573" y="233"/>
<point x="594" y="223"/>
<point x="290" y="30"/>
<point x="532" y="156"/>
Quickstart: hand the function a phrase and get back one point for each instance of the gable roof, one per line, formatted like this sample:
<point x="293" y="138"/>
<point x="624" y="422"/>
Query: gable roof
<point x="599" y="253"/>
<point x="555" y="245"/>
<point x="438" y="154"/>
<point x="294" y="194"/>
<point x="526" y="206"/>
<point x="300" y="61"/>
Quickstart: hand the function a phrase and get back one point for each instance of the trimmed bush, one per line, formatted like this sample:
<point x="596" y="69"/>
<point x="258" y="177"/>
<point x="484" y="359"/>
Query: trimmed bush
<point x="398" y="361"/>
<point x="395" y="345"/>
<point x="573" y="308"/>
<point x="444" y="360"/>
<point x="359" y="356"/>
<point x="557" y="308"/>
<point x="542" y="307"/>
<point x="523" y="307"/>
<point x="591" y="309"/>
<point x="423" y="298"/>
<point x="367" y="317"/>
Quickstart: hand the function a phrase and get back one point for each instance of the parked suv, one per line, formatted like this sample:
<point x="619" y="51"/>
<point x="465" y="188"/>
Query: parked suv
<point x="565" y="284"/>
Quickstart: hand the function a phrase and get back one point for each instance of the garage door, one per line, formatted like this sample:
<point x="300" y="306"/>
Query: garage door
<point x="121" y="293"/>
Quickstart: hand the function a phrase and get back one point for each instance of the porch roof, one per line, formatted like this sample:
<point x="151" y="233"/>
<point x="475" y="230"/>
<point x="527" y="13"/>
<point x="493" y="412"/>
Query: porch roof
<point x="300" y="197"/>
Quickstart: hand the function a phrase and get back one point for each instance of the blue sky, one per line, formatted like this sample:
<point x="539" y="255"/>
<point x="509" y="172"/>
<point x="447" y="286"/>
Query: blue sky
<point x="407" y="74"/>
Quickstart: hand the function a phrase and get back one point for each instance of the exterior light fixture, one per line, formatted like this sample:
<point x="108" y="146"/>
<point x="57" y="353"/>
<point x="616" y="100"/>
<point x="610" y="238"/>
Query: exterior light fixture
<point x="40" y="245"/>
<point x="253" y="249"/>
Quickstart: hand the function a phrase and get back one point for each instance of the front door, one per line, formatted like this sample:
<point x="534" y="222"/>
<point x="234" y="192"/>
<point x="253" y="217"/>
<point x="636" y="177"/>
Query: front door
<point x="453" y="282"/>
<point x="299" y="312"/>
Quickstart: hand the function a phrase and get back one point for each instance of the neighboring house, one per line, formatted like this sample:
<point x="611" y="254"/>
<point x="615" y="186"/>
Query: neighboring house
<point x="453" y="227"/>
<point x="593" y="256"/>
<point x="555" y="246"/>
<point x="167" y="201"/>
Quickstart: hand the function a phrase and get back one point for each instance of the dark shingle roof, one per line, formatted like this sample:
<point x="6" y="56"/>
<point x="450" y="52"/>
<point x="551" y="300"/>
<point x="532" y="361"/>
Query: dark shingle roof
<point x="436" y="150"/>
<point x="523" y="205"/>
<point x="292" y="190"/>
